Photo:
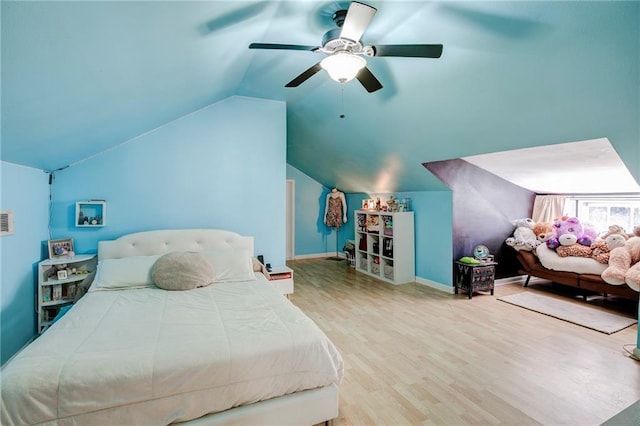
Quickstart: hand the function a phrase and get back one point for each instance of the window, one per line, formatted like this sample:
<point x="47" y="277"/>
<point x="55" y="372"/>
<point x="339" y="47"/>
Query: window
<point x="604" y="211"/>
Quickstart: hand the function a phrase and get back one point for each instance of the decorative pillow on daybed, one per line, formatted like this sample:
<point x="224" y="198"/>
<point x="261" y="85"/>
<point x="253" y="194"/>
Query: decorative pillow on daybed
<point x="580" y="265"/>
<point x="231" y="264"/>
<point x="127" y="272"/>
<point x="182" y="271"/>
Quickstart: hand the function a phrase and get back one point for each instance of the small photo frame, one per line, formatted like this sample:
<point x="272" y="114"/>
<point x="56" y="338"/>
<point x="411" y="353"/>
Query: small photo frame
<point x="62" y="275"/>
<point x="369" y="204"/>
<point x="60" y="248"/>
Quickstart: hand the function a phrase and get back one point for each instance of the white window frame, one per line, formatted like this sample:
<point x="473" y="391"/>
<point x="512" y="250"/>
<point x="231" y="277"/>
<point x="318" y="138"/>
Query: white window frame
<point x="578" y="206"/>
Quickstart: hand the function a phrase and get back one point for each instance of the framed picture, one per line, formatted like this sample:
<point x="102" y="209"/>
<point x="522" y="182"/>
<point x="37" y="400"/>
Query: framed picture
<point x="368" y="204"/>
<point x="62" y="275"/>
<point x="60" y="248"/>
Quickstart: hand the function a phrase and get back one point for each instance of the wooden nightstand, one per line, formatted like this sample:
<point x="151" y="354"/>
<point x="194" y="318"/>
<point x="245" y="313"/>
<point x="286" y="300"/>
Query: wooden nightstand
<point x="472" y="278"/>
<point x="282" y="278"/>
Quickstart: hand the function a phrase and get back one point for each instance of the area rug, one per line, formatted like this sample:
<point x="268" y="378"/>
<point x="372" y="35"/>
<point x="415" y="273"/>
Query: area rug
<point x="627" y="417"/>
<point x="585" y="316"/>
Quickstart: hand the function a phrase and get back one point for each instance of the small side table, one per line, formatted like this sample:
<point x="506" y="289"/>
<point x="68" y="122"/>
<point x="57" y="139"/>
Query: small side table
<point x="282" y="278"/>
<point x="472" y="278"/>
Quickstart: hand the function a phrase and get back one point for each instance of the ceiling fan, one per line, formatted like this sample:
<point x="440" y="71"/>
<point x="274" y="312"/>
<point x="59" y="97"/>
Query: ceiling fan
<point x="345" y="50"/>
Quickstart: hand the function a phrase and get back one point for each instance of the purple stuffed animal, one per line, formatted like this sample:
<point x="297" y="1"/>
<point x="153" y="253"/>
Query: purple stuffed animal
<point x="569" y="231"/>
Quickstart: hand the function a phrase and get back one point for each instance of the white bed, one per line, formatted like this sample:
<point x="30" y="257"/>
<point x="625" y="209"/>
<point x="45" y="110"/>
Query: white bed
<point x="233" y="352"/>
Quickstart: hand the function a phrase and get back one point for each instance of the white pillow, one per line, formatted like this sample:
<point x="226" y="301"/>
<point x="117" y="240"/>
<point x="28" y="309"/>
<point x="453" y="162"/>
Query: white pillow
<point x="231" y="264"/>
<point x="128" y="272"/>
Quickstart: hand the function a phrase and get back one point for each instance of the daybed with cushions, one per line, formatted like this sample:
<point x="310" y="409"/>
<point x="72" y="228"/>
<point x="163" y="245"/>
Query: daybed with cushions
<point x="571" y="271"/>
<point x="235" y="351"/>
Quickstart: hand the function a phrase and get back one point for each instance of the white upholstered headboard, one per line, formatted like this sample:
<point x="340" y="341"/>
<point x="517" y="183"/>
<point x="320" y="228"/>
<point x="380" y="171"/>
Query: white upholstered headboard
<point x="164" y="241"/>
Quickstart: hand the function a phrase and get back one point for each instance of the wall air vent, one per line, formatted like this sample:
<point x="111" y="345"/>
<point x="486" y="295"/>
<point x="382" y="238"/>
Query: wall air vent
<point x="6" y="223"/>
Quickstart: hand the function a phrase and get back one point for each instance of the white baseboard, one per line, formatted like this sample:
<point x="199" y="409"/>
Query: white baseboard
<point x="520" y="279"/>
<point x="449" y="289"/>
<point x="318" y="255"/>
<point x="435" y="285"/>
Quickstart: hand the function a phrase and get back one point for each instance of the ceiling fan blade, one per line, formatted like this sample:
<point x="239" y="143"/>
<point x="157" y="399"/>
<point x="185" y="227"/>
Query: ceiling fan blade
<point x="357" y="20"/>
<point x="368" y="80"/>
<point x="282" y="46"/>
<point x="304" y="76"/>
<point x="234" y="17"/>
<point x="409" y="50"/>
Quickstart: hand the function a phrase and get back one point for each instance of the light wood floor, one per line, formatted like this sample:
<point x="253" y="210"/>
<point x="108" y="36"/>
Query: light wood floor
<point x="416" y="355"/>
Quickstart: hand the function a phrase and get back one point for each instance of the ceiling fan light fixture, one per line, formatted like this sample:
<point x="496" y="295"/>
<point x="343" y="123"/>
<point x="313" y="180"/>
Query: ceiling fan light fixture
<point x="343" y="67"/>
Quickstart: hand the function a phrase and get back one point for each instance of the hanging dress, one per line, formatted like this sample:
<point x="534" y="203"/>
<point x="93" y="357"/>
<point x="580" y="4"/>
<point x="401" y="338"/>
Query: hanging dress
<point x="334" y="212"/>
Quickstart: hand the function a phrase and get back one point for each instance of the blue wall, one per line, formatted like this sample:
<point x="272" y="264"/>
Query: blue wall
<point x="433" y="223"/>
<point x="311" y="234"/>
<point x="208" y="169"/>
<point x="434" y="230"/>
<point x="25" y="191"/>
<point x="433" y="215"/>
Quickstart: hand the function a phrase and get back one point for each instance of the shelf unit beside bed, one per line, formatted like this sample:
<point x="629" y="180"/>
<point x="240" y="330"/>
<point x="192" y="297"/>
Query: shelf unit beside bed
<point x="54" y="293"/>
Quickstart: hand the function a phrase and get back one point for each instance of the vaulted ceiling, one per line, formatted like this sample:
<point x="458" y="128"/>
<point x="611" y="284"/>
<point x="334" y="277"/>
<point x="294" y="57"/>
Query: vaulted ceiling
<point x="81" y="77"/>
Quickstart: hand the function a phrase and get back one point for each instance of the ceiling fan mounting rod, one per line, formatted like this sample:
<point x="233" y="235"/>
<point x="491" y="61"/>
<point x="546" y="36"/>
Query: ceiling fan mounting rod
<point x="338" y="17"/>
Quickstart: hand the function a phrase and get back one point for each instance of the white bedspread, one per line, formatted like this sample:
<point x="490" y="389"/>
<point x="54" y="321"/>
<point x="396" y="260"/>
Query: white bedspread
<point x="153" y="356"/>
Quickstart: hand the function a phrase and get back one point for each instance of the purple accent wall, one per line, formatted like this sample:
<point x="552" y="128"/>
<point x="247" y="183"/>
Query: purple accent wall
<point x="483" y="207"/>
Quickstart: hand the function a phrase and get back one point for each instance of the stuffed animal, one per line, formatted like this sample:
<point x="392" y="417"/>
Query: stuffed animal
<point x="543" y="231"/>
<point x="614" y="230"/>
<point x="517" y="246"/>
<point x="624" y="265"/>
<point x="601" y="249"/>
<point x="569" y="231"/>
<point x="523" y="237"/>
<point x="635" y="232"/>
<point x="577" y="250"/>
<point x="53" y="272"/>
<point x="589" y="231"/>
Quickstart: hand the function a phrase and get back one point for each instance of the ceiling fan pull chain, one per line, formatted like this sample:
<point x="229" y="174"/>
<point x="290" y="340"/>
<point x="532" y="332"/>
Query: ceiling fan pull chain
<point x="341" y="100"/>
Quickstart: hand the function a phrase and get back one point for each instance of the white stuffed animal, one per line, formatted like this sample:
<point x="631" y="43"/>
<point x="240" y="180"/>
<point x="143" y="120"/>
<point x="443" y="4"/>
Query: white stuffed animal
<point x="523" y="237"/>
